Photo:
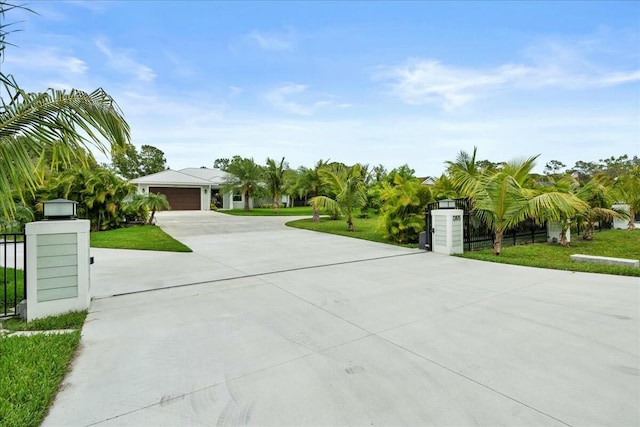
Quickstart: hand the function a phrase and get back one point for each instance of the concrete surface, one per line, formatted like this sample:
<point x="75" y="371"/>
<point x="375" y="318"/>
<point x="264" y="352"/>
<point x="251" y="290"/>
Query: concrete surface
<point x="275" y="326"/>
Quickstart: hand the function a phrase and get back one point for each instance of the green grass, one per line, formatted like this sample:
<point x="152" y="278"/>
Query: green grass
<point x="609" y="243"/>
<point x="11" y="294"/>
<point x="295" y="211"/>
<point x="145" y="237"/>
<point x="366" y="228"/>
<point x="32" y="368"/>
<point x="71" y="320"/>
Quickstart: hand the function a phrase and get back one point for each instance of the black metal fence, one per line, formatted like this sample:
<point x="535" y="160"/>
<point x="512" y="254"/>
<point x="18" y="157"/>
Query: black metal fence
<point x="478" y="236"/>
<point x="13" y="263"/>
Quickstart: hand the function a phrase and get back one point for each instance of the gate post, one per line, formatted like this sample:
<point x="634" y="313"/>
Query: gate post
<point x="448" y="231"/>
<point x="57" y="267"/>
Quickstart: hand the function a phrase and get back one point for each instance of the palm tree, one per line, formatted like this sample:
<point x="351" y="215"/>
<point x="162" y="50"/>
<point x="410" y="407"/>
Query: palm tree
<point x="627" y="190"/>
<point x="502" y="200"/>
<point x="245" y="177"/>
<point x="310" y="184"/>
<point x="155" y="202"/>
<point x="464" y="173"/>
<point x="347" y="183"/>
<point x="598" y="195"/>
<point x="30" y="123"/>
<point x="274" y="178"/>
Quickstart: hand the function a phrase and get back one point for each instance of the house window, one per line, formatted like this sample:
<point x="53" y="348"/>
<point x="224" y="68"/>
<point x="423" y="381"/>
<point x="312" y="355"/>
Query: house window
<point x="237" y="197"/>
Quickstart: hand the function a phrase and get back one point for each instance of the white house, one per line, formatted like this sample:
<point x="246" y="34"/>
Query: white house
<point x="190" y="188"/>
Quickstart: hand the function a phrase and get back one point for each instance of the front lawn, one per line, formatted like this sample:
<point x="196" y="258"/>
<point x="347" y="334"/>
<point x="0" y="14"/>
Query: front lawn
<point x="145" y="237"/>
<point x="294" y="211"/>
<point x="366" y="228"/>
<point x="33" y="367"/>
<point x="609" y="243"/>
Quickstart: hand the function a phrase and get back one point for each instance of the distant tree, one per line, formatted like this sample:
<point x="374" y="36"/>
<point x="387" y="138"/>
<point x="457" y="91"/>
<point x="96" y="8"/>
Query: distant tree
<point x="274" y="180"/>
<point x="126" y="163"/>
<point x="222" y="163"/>
<point x="379" y="173"/>
<point x="583" y="171"/>
<point x="486" y="165"/>
<point x="553" y="167"/>
<point x="152" y="160"/>
<point x="310" y="184"/>
<point x="130" y="164"/>
<point x="245" y="176"/>
<point x="404" y="171"/>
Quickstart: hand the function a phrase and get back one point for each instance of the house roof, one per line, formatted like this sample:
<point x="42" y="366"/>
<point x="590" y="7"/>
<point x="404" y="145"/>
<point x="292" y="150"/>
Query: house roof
<point x="215" y="176"/>
<point x="183" y="177"/>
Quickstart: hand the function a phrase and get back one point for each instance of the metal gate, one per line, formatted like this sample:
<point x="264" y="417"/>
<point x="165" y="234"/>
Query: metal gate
<point x="478" y="236"/>
<point x="13" y="265"/>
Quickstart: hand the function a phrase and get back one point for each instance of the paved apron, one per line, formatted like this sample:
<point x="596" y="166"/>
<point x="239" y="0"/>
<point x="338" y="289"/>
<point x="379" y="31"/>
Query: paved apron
<point x="268" y="325"/>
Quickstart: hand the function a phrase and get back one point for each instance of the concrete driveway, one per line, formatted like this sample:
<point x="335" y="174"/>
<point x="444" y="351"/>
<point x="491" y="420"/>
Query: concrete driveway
<point x="267" y="325"/>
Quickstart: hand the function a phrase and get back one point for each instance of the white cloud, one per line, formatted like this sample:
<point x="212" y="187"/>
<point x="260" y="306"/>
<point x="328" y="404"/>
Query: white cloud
<point x="50" y="59"/>
<point x="296" y="99"/>
<point x="428" y="81"/>
<point x="123" y="62"/>
<point x="273" y="41"/>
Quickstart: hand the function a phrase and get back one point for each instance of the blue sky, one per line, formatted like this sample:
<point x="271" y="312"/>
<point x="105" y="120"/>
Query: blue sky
<point x="370" y="82"/>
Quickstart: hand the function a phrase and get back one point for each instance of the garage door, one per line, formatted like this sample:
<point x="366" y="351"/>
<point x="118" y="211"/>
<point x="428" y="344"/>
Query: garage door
<point x="180" y="199"/>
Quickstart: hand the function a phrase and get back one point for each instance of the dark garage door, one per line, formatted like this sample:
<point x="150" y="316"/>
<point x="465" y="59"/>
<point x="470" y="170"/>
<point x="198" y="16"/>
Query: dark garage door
<point x="180" y="199"/>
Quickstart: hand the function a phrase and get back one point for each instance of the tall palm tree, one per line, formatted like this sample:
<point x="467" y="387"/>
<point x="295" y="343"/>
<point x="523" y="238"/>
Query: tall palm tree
<point x="347" y="183"/>
<point x="245" y="176"/>
<point x="274" y="179"/>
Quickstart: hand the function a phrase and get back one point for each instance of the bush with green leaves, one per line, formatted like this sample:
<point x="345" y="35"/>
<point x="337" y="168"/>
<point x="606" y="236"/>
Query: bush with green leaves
<point x="402" y="212"/>
<point x="98" y="191"/>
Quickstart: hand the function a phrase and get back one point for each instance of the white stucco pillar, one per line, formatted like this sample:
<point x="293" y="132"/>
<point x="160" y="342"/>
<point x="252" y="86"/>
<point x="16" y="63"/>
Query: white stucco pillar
<point x="57" y="267"/>
<point x="448" y="229"/>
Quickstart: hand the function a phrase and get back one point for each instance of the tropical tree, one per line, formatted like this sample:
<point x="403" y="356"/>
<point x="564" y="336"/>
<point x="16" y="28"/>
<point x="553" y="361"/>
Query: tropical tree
<point x="443" y="188"/>
<point x="402" y="212"/>
<point x="502" y="201"/>
<point x="464" y="173"/>
<point x="347" y="183"/>
<point x="627" y="190"/>
<point x="99" y="192"/>
<point x="155" y="202"/>
<point x="274" y="175"/>
<point x="310" y="183"/>
<point x="245" y="177"/>
<point x="31" y="122"/>
<point x="598" y="196"/>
